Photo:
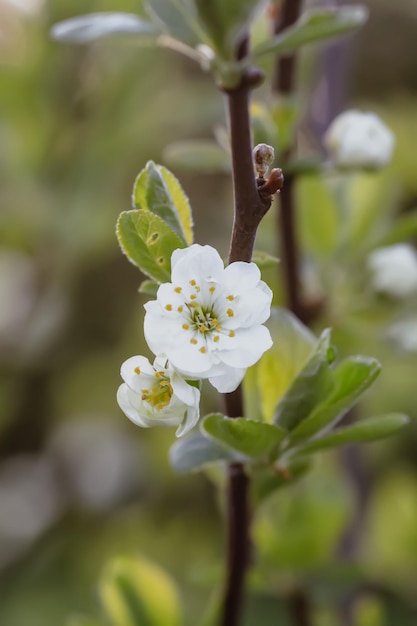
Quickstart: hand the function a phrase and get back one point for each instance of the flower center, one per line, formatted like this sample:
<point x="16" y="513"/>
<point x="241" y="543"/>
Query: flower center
<point x="204" y="320"/>
<point x="160" y="395"/>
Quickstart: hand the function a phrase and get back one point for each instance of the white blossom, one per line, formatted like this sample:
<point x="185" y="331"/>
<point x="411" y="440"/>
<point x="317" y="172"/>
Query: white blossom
<point x="394" y="270"/>
<point x="208" y="320"/>
<point x="359" y="139"/>
<point x="157" y="395"/>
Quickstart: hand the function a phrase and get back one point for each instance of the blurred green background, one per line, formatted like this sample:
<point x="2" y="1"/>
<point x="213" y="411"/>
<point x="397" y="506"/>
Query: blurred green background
<point x="79" y="483"/>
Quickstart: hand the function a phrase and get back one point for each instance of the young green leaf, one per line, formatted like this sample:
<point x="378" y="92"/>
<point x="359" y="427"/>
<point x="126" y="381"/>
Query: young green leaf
<point x="350" y="379"/>
<point x="87" y="28"/>
<point x="194" y="452"/>
<point x="147" y="242"/>
<point x="149" y="288"/>
<point x="158" y="191"/>
<point x="79" y="620"/>
<point x="267" y="479"/>
<point x="266" y="382"/>
<point x="313" y="383"/>
<point x="318" y="215"/>
<point x="370" y="429"/>
<point x="251" y="438"/>
<point x="225" y="22"/>
<point x="177" y="18"/>
<point x="315" y="25"/>
<point x="264" y="260"/>
<point x="135" y="592"/>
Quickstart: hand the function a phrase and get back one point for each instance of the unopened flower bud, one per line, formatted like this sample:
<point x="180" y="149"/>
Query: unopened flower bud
<point x="263" y="157"/>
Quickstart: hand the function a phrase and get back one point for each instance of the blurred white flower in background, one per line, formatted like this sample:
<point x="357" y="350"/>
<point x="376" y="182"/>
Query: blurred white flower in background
<point x="404" y="334"/>
<point x="27" y="7"/>
<point x="394" y="270"/>
<point x="30" y="502"/>
<point x="97" y="460"/>
<point x="357" y="139"/>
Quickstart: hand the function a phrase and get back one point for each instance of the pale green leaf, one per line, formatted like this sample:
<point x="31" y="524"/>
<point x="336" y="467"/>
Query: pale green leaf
<point x="177" y="18"/>
<point x="249" y="437"/>
<point x="198" y="155"/>
<point x="149" y="288"/>
<point x="317" y="215"/>
<point x="148" y="243"/>
<point x="227" y="22"/>
<point x="194" y="452"/>
<point x="157" y="190"/>
<point x="135" y="592"/>
<point x="350" y="379"/>
<point x="266" y="382"/>
<point x="87" y="28"/>
<point x="315" y="25"/>
<point x="80" y="620"/>
<point x="403" y="229"/>
<point x="370" y="429"/>
<point x="264" y="260"/>
<point x="314" y="382"/>
<point x="266" y="480"/>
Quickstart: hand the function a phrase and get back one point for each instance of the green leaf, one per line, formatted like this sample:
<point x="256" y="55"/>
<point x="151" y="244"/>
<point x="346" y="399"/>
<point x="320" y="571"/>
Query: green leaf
<point x="267" y="480"/>
<point x="86" y="28"/>
<point x="158" y="191"/>
<point x="262" y="124"/>
<point x="227" y="22"/>
<point x="369" y="429"/>
<point x="404" y="227"/>
<point x="149" y="288"/>
<point x="148" y="243"/>
<point x="350" y="379"/>
<point x="198" y="156"/>
<point x="313" y="26"/>
<point x="264" y="260"/>
<point x="313" y="383"/>
<point x="266" y="382"/>
<point x="177" y="18"/>
<point x="135" y="592"/>
<point x="248" y="437"/>
<point x="194" y="452"/>
<point x="318" y="215"/>
<point x="285" y="115"/>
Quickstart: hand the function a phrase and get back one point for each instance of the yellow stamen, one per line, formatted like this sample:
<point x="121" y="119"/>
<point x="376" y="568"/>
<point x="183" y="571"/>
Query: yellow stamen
<point x="230" y="298"/>
<point x="193" y="283"/>
<point x="137" y="370"/>
<point x="232" y="333"/>
<point x="193" y="341"/>
<point x="185" y="326"/>
<point x="203" y="329"/>
<point x="192" y="305"/>
<point x="212" y="289"/>
<point x="216" y="338"/>
<point x="178" y="289"/>
<point x="203" y="350"/>
<point x="193" y="296"/>
<point x="180" y="309"/>
<point x="198" y="289"/>
<point x="230" y="312"/>
<point x="169" y="307"/>
<point x="214" y="322"/>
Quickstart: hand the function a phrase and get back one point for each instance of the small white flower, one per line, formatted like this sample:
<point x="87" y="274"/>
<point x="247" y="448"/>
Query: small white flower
<point x="208" y="320"/>
<point x="156" y="395"/>
<point x="359" y="139"/>
<point x="394" y="270"/>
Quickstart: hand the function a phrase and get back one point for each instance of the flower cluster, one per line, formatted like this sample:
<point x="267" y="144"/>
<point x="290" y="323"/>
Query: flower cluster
<point x="205" y="324"/>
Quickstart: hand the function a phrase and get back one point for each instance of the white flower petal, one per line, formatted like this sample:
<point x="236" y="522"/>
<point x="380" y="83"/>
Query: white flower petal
<point x="239" y="276"/>
<point x="229" y="381"/>
<point x="195" y="263"/>
<point x="251" y="344"/>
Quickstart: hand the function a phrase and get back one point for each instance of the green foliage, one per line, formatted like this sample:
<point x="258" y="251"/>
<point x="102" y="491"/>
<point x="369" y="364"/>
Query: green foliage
<point x="149" y="288"/>
<point x="226" y="22"/>
<point x="309" y="387"/>
<point x="195" y="452"/>
<point x="346" y="383"/>
<point x="88" y="28"/>
<point x="135" y="592"/>
<point x="318" y="215"/>
<point x="264" y="260"/>
<point x="315" y="25"/>
<point x="251" y="438"/>
<point x="267" y="381"/>
<point x="147" y="242"/>
<point x="370" y="429"/>
<point x="83" y="621"/>
<point x="157" y="190"/>
<point x="267" y="479"/>
<point x="177" y="18"/>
